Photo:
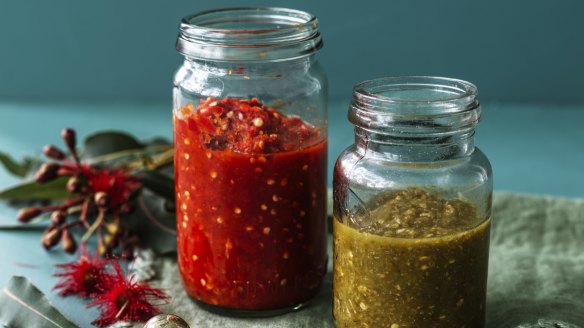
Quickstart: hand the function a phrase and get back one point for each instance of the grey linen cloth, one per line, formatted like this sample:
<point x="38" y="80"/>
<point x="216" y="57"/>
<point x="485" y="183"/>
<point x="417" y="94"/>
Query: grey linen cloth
<point x="536" y="272"/>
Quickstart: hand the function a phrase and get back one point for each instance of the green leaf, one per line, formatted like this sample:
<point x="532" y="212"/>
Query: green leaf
<point x="19" y="169"/>
<point x="159" y="141"/>
<point x="131" y="154"/>
<point x="24" y="305"/>
<point x="154" y="225"/>
<point x="107" y="142"/>
<point x="55" y="189"/>
<point x="159" y="183"/>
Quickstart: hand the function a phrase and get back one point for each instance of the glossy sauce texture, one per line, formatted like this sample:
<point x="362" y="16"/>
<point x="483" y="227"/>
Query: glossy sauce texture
<point x="251" y="204"/>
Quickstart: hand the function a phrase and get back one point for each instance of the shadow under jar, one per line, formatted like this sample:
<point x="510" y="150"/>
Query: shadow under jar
<point x="412" y="207"/>
<point x="250" y="136"/>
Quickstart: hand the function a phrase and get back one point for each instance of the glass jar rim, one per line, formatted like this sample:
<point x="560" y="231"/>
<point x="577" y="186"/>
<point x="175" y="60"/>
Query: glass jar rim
<point x="249" y="34"/>
<point x="458" y="90"/>
<point x="408" y="103"/>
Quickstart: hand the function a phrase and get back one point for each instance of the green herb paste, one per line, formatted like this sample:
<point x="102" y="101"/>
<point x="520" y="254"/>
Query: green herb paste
<point x="412" y="261"/>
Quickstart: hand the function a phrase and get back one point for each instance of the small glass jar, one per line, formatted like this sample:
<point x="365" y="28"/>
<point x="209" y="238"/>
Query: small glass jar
<point x="250" y="136"/>
<point x="412" y="208"/>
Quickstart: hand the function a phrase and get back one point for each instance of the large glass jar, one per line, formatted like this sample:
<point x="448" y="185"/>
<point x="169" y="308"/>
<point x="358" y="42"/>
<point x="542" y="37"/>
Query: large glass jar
<point x="412" y="208"/>
<point x="250" y="136"/>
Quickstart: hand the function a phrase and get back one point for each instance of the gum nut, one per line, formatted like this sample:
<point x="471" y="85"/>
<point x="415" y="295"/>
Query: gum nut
<point x="166" y="321"/>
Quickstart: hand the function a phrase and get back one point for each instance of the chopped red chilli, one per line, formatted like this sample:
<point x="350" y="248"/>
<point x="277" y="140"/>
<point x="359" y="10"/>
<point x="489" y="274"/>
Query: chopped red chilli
<point x="247" y="126"/>
<point x="251" y="204"/>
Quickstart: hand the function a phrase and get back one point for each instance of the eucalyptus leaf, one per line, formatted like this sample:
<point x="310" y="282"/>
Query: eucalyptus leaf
<point x="107" y="142"/>
<point x="24" y="305"/>
<point x="154" y="225"/>
<point x="130" y="155"/>
<point x="159" y="183"/>
<point x="19" y="169"/>
<point x="159" y="141"/>
<point x="31" y="190"/>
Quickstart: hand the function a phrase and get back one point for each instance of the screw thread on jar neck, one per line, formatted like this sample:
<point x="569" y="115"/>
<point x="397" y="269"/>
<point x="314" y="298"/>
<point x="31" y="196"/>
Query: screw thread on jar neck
<point x="416" y="118"/>
<point x="249" y="35"/>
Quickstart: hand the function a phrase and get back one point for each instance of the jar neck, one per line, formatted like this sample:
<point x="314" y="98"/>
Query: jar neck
<point x="249" y="34"/>
<point x="243" y="69"/>
<point x="416" y="118"/>
<point x="411" y="149"/>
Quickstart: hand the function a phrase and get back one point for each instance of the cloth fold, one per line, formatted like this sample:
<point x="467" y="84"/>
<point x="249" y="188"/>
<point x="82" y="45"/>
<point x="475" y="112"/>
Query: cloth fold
<point x="536" y="269"/>
<point x="536" y="272"/>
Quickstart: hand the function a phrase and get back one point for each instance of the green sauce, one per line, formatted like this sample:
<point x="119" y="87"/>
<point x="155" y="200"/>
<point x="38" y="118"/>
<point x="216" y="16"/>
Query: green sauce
<point x="415" y="261"/>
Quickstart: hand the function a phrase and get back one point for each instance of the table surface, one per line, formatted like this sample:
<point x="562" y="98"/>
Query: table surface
<point x="533" y="149"/>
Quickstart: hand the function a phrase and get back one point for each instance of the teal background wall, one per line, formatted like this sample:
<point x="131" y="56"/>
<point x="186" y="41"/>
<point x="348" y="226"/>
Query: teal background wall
<point x="515" y="51"/>
<point x="108" y="64"/>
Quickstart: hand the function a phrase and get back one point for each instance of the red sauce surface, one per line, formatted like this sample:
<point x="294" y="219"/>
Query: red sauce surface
<point x="251" y="204"/>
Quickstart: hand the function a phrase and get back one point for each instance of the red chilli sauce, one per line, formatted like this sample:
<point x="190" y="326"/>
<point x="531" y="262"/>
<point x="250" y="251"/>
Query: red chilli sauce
<point x="251" y="204"/>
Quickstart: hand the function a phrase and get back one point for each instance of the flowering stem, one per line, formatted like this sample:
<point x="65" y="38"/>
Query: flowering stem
<point x="83" y="216"/>
<point x="51" y="208"/>
<point x="125" y="153"/>
<point x="75" y="157"/>
<point x="122" y="309"/>
<point x="68" y="168"/>
<point x="61" y="207"/>
<point x="163" y="159"/>
<point x="72" y="203"/>
<point x="72" y="224"/>
<point x="94" y="226"/>
<point x="158" y="161"/>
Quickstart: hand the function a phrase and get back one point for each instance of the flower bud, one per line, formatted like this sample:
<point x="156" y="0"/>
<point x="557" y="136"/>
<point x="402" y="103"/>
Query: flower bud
<point x="51" y="237"/>
<point x="69" y="137"/>
<point x="101" y="199"/>
<point x="58" y="217"/>
<point x="113" y="228"/>
<point x="76" y="185"/>
<point x="68" y="243"/>
<point x="47" y="172"/>
<point x="28" y="213"/>
<point x="53" y="152"/>
<point x="101" y="248"/>
<point x="111" y="241"/>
